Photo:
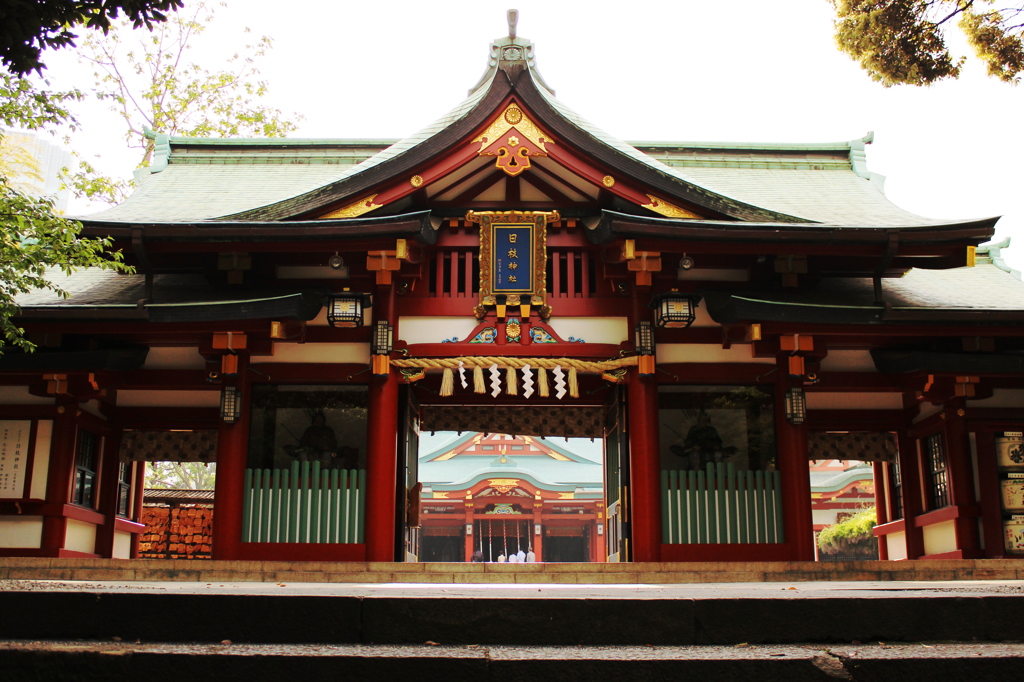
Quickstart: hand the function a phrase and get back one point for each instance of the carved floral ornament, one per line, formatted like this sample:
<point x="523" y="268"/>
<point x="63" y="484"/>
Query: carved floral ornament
<point x="513" y="139"/>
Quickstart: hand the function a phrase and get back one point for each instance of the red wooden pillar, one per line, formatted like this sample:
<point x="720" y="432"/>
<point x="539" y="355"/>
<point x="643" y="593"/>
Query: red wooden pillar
<point x="538" y="539"/>
<point x="381" y="446"/>
<point x="232" y="459"/>
<point x="882" y="494"/>
<point x="645" y="475"/>
<point x="991" y="504"/>
<point x="471" y="540"/>
<point x="59" y="476"/>
<point x="961" y="479"/>
<point x="138" y="497"/>
<point x="797" y="517"/>
<point x="910" y="487"/>
<point x="110" y="478"/>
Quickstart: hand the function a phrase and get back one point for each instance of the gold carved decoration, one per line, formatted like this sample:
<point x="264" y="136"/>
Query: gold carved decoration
<point x="513" y="139"/>
<point x="354" y="209"/>
<point x="416" y="181"/>
<point x="668" y="210"/>
<point x="608" y="181"/>
<point x="504" y="485"/>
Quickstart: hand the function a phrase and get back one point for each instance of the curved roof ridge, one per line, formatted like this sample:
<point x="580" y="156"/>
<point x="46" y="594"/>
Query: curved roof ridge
<point x="490" y="471"/>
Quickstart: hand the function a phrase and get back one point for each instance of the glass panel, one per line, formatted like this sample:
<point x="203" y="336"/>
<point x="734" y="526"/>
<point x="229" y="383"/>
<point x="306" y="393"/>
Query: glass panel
<point x="699" y="425"/>
<point x="325" y="424"/>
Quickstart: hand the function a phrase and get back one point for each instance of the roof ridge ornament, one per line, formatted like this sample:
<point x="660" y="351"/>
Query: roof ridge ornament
<point x="512" y="55"/>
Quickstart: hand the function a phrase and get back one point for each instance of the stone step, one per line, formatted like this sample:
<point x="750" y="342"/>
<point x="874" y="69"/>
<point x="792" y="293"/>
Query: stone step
<point x="57" y="660"/>
<point x="520" y="617"/>
<point x="195" y="570"/>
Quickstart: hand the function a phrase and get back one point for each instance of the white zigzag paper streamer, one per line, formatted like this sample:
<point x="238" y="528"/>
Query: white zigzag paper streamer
<point x="559" y="382"/>
<point x="527" y="381"/>
<point x="462" y="375"/>
<point x="495" y="381"/>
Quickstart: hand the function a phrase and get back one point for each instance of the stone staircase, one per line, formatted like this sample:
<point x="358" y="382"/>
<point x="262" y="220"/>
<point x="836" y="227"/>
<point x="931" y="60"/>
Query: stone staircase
<point x="174" y="620"/>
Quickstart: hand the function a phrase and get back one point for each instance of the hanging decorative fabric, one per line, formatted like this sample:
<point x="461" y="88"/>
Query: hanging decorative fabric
<point x="478" y="380"/>
<point x="495" y="380"/>
<point x="447" y="383"/>
<point x="527" y="381"/>
<point x="511" y="382"/>
<point x="462" y="375"/>
<point x="542" y="382"/>
<point x="559" y="382"/>
<point x="574" y="383"/>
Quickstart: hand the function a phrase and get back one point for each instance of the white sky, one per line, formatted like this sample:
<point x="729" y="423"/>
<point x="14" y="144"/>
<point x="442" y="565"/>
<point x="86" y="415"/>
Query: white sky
<point x="747" y="70"/>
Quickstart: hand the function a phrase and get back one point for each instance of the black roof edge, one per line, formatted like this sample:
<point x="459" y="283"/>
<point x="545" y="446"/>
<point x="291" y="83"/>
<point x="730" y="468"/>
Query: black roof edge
<point x="730" y="308"/>
<point x="356" y="185"/>
<point x="674" y="187"/>
<point x="614" y="224"/>
<point x="113" y="359"/>
<point x="303" y="306"/>
<point x="906" y="361"/>
<point x="419" y="225"/>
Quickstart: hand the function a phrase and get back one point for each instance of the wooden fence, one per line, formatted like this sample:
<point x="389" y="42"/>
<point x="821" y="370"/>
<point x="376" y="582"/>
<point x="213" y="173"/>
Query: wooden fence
<point x="721" y="505"/>
<point x="304" y="504"/>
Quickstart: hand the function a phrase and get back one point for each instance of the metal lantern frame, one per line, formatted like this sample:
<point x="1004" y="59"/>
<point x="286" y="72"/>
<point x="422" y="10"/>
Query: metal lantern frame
<point x="796" y="405"/>
<point x="675" y="310"/>
<point x="345" y="308"/>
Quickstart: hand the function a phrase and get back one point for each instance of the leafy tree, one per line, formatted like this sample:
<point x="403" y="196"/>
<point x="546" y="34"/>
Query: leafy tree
<point x="904" y="41"/>
<point x="152" y="86"/>
<point x="28" y="27"/>
<point x="181" y="475"/>
<point x="33" y="240"/>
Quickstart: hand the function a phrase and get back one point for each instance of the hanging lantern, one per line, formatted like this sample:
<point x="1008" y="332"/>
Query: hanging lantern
<point x="674" y="310"/>
<point x="796" y="406"/>
<point x="345" y="309"/>
<point x="230" y="405"/>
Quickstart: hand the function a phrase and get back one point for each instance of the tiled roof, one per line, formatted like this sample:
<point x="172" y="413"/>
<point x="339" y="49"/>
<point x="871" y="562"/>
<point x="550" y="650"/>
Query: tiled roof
<point x="205" y="179"/>
<point x="828" y="481"/>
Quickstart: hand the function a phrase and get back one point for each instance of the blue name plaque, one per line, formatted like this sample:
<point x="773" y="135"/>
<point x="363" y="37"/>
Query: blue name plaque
<point x="513" y="251"/>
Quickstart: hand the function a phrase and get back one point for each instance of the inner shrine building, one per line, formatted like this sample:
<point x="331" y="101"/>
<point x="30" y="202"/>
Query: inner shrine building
<point x="712" y="315"/>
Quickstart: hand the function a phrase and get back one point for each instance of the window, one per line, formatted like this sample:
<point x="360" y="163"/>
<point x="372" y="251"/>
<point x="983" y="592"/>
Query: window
<point x="937" y="480"/>
<point x="124" y="489"/>
<point x="325" y="424"/>
<point x="85" y="470"/>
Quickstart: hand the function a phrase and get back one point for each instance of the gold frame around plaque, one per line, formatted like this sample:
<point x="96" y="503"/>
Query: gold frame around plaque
<point x="537" y="297"/>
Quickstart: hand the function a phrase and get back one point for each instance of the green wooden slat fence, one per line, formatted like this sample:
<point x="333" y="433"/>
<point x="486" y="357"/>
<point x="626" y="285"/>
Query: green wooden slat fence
<point x="304" y="504"/>
<point x="721" y="506"/>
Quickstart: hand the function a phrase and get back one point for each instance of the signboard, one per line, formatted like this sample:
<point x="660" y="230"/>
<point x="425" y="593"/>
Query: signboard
<point x="513" y="260"/>
<point x="14" y="440"/>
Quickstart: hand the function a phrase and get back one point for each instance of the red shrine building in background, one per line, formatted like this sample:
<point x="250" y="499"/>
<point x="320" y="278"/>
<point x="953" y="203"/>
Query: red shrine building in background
<point x="714" y="315"/>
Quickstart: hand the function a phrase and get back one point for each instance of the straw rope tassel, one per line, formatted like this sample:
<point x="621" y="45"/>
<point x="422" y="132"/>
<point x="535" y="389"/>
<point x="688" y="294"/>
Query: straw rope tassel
<point x="574" y="384"/>
<point x="478" y="380"/>
<point x="447" y="382"/>
<point x="542" y="383"/>
<point x="511" y="382"/>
